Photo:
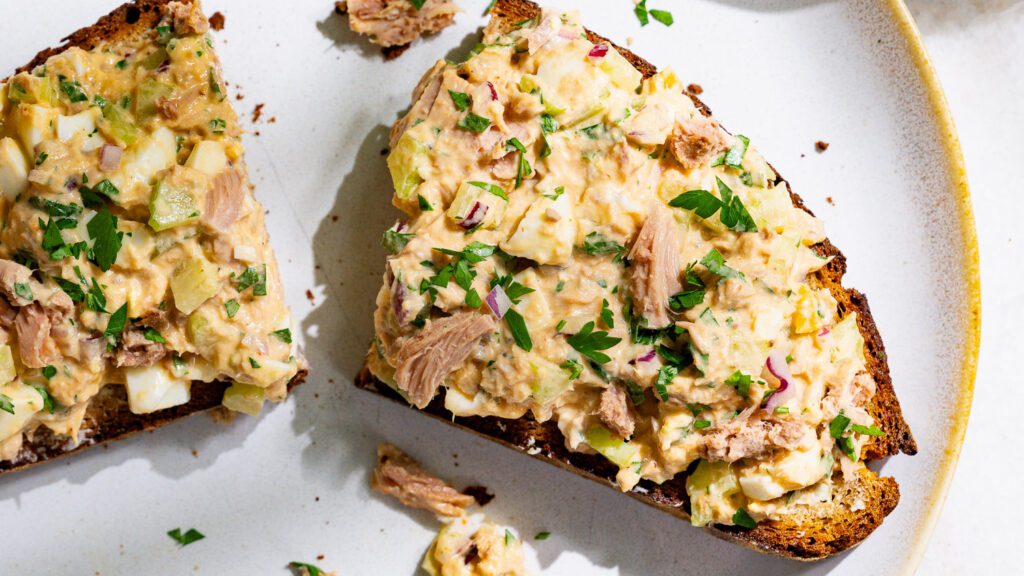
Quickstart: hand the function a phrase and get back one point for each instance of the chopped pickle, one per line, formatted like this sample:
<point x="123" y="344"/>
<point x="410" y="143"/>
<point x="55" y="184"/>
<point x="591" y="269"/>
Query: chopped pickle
<point x="155" y="59"/>
<point x="146" y="96"/>
<point x="713" y="491"/>
<point x="29" y="89"/>
<point x="622" y="453"/>
<point x="244" y="398"/>
<point x="172" y="204"/>
<point x="117" y="126"/>
<point x="194" y="281"/>
<point x="404" y="162"/>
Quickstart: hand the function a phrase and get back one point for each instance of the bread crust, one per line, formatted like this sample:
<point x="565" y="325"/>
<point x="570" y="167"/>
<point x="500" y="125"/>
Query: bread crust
<point x="831" y="529"/>
<point x="108" y="418"/>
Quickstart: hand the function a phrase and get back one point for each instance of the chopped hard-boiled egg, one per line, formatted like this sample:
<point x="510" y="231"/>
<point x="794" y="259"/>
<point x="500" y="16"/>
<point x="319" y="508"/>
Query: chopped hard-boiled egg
<point x="25" y="400"/>
<point x="152" y="388"/>
<point x="34" y="123"/>
<point x="83" y="122"/>
<point x="13" y="169"/>
<point x="208" y="156"/>
<point x="546" y="233"/>
<point x="769" y="480"/>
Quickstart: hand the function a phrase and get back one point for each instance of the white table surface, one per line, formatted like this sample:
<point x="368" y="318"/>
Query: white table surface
<point x="977" y="47"/>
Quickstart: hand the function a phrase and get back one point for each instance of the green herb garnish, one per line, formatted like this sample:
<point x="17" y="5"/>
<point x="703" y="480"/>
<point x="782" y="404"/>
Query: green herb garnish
<point x="107" y="240"/>
<point x="154" y="336"/>
<point x="590" y="343"/>
<point x="715" y="264"/>
<point x="665" y="376"/>
<point x="596" y="244"/>
<point x="460" y="99"/>
<point x="474" y="123"/>
<point x="184" y="539"/>
<point x="116" y="324"/>
<point x="517" y="325"/>
<point x="743" y="520"/>
<point x="573" y="367"/>
<point x="492" y="188"/>
<point x="231" y="307"/>
<point x="739" y="381"/>
<point x="284" y="335"/>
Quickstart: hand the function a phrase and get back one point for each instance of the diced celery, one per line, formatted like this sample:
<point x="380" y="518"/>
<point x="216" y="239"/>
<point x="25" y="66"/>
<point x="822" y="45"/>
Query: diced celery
<point x="155" y="59"/>
<point x="467" y="197"/>
<point x="623" y="74"/>
<point x="713" y="489"/>
<point x="172" y="204"/>
<point x="200" y="332"/>
<point x="244" y="398"/>
<point x="29" y="89"/>
<point x="7" y="370"/>
<point x="116" y="125"/>
<point x="404" y="164"/>
<point x="548" y="380"/>
<point x="621" y="453"/>
<point x="193" y="282"/>
<point x="146" y="96"/>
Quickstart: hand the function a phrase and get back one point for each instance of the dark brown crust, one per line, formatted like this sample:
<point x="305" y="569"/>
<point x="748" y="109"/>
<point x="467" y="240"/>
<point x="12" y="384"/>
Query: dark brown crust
<point x="108" y="417"/>
<point x="810" y="540"/>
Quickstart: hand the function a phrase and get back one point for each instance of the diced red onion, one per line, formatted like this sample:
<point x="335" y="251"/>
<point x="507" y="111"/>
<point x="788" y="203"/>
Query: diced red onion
<point x="568" y="34"/>
<point x="598" y="51"/>
<point x="399" y="226"/>
<point x="498" y="301"/>
<point x="824" y="331"/>
<point x="645" y="358"/>
<point x="110" y="157"/>
<point x="779" y="368"/>
<point x="494" y="92"/>
<point x="475" y="216"/>
<point x="397" y="300"/>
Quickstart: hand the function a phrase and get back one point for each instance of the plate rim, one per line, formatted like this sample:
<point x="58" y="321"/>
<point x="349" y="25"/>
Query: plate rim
<point x="957" y="171"/>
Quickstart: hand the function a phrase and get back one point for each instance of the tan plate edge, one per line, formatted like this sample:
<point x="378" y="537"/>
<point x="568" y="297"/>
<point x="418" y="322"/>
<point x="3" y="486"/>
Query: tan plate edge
<point x="958" y="174"/>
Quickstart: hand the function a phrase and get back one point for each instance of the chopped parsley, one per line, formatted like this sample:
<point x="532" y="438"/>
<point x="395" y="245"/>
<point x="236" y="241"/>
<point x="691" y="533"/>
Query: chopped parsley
<point x="255" y="276"/>
<point x="417" y="4"/>
<point x="508" y="536"/>
<point x="107" y="240"/>
<point x="23" y="290"/>
<point x="284" y="335"/>
<point x="641" y="12"/>
<point x="424" y="203"/>
<point x="474" y="123"/>
<point x="72" y="89"/>
<point x="313" y="570"/>
<point x="394" y="241"/>
<point x="675" y="358"/>
<point x="514" y="290"/>
<point x="665" y="376"/>
<point x="739" y="381"/>
<point x="663" y="16"/>
<point x="867" y="430"/>
<point x="701" y="424"/>
<point x="95" y="299"/>
<point x="254" y="363"/>
<point x="636" y="393"/>
<point x="715" y="264"/>
<point x="781" y="410"/>
<point x="41" y="158"/>
<point x="548" y="125"/>
<point x="523" y="169"/>
<point x="556" y="194"/>
<point x="460" y="99"/>
<point x="591" y="343"/>
<point x="49" y="371"/>
<point x="542" y="535"/>
<point x="517" y="325"/>
<point x="55" y="209"/>
<point x="218" y="125"/>
<point x="211" y="78"/>
<point x="122" y="64"/>
<point x="734" y="157"/>
<point x="743" y="520"/>
<point x="6" y="404"/>
<point x="231" y="307"/>
<point x="595" y="244"/>
<point x="836" y="428"/>
<point x="154" y="336"/>
<point x="573" y="367"/>
<point x="115" y="325"/>
<point x="732" y="213"/>
<point x="186" y="538"/>
<point x="492" y="188"/>
<point x="607" y="318"/>
<point x="94" y="197"/>
<point x="49" y="404"/>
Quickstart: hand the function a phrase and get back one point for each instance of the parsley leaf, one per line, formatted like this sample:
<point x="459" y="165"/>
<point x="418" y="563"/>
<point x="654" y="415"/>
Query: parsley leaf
<point x="523" y="170"/>
<point x="700" y="202"/>
<point x="514" y="290"/>
<point x="23" y="290"/>
<point x="542" y="535"/>
<point x="665" y="376"/>
<point x="190" y="536"/>
<point x="590" y="343"/>
<point x="6" y="404"/>
<point x="663" y="16"/>
<point x="715" y="264"/>
<point x="517" y="325"/>
<point x="424" y="203"/>
<point x="116" y="324"/>
<point x="838" y="426"/>
<point x="231" y="307"/>
<point x="606" y="315"/>
<point x="595" y="244"/>
<point x="460" y="99"/>
<point x="734" y="157"/>
<point x="734" y="214"/>
<point x="474" y="123"/>
<point x="641" y="12"/>
<point x="739" y="381"/>
<point x="154" y="336"/>
<point x="573" y="367"/>
<point x="492" y="188"/>
<point x="867" y="430"/>
<point x="743" y="520"/>
<point x="255" y="276"/>
<point x="49" y="404"/>
<point x="686" y="299"/>
<point x="284" y="334"/>
<point x="107" y="240"/>
<point x="636" y="393"/>
<point x="394" y="242"/>
<point x="96" y="300"/>
<point x="416" y="4"/>
<point x="72" y="89"/>
<point x="55" y="209"/>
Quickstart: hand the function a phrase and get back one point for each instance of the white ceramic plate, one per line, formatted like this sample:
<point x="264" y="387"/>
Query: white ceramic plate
<point x="292" y="485"/>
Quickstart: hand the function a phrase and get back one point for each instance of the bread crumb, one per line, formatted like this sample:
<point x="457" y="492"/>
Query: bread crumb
<point x="309" y="295"/>
<point x="629" y="40"/>
<point x="195" y="453"/>
<point x="217" y="21"/>
<point x="696" y="89"/>
<point x="272" y="120"/>
<point x="257" y="112"/>
<point x="319" y="556"/>
<point x="222" y="415"/>
<point x="821" y="145"/>
<point x="830" y="201"/>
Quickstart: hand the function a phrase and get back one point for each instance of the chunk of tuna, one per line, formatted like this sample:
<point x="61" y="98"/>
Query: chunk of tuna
<point x="654" y="274"/>
<point x="424" y="360"/>
<point x="615" y="413"/>
<point x="398" y="22"/>
<point x="695" y="141"/>
<point x="136" y="350"/>
<point x="742" y="438"/>
<point x="12" y="273"/>
<point x="36" y="347"/>
<point x="400" y="476"/>
<point x="187" y="19"/>
<point x="224" y="202"/>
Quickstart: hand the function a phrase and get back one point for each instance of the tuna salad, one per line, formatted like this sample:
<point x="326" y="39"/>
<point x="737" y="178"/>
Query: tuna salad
<point x="132" y="251"/>
<point x="585" y="246"/>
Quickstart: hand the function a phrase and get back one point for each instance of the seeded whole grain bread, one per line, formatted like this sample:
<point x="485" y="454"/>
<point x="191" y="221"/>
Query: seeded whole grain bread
<point x="858" y="507"/>
<point x="108" y="417"/>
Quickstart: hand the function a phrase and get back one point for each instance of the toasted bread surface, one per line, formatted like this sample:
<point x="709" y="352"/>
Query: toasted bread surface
<point x="108" y="417"/>
<point x="859" y="506"/>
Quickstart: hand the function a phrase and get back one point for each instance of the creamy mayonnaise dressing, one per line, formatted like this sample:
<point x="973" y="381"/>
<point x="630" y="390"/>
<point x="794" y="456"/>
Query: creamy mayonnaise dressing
<point x="535" y="165"/>
<point x="132" y="251"/>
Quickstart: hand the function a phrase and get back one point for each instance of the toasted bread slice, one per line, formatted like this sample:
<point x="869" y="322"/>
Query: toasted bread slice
<point x="858" y="505"/>
<point x="109" y="414"/>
